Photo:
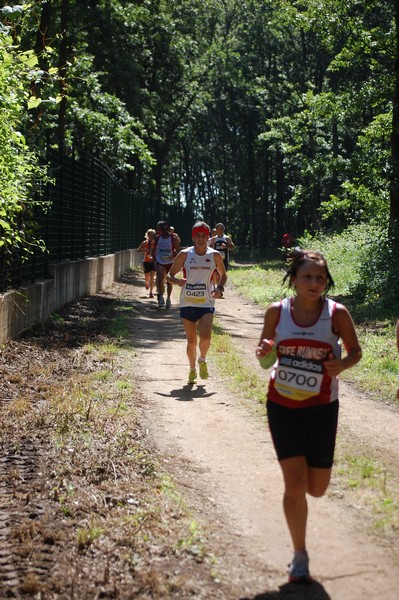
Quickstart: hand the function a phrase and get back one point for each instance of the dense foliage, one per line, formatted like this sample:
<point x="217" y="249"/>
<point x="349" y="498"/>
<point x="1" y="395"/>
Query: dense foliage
<point x="20" y="172"/>
<point x="265" y="114"/>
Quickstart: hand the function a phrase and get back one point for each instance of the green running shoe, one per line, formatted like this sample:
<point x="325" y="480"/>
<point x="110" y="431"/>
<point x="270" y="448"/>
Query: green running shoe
<point x="192" y="376"/>
<point x="203" y="369"/>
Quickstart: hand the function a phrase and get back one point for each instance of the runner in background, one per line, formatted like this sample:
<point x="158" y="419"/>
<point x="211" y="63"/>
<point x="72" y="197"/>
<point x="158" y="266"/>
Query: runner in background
<point x="165" y="249"/>
<point x="302" y="400"/>
<point x="173" y="232"/>
<point x="212" y="234"/>
<point x="146" y="246"/>
<point x="223" y="244"/>
<point x="288" y="241"/>
<point x="197" y="296"/>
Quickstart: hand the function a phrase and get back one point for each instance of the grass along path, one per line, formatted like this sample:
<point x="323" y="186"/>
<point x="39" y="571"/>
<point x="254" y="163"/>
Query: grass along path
<point x="89" y="507"/>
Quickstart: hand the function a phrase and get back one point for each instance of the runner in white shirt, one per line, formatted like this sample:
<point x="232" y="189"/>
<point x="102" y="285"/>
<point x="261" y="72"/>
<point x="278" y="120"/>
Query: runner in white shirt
<point x="222" y="243"/>
<point x="166" y="246"/>
<point x="198" y="294"/>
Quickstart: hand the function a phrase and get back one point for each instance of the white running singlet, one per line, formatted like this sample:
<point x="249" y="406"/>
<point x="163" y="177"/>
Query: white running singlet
<point x="198" y="270"/>
<point x="221" y="240"/>
<point x="164" y="251"/>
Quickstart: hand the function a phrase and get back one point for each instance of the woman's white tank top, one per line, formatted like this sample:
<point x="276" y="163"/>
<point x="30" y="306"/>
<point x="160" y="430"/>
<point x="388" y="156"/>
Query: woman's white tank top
<point x="299" y="378"/>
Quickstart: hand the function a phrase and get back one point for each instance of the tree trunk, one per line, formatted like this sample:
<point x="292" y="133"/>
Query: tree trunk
<point x="394" y="188"/>
<point x="43" y="38"/>
<point x="251" y="119"/>
<point x="62" y="71"/>
<point x="280" y="192"/>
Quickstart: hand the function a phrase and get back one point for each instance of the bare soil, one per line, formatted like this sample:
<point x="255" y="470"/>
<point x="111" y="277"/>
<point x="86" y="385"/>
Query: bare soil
<point x="226" y="536"/>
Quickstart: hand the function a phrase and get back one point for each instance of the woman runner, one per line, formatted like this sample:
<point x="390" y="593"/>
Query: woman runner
<point x="302" y="399"/>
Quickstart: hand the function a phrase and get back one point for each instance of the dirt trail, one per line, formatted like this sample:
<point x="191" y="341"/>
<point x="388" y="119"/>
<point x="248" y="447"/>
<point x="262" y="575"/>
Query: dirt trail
<point x="221" y="455"/>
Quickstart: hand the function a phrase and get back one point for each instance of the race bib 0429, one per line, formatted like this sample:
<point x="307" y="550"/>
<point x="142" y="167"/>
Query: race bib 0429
<point x="165" y="254"/>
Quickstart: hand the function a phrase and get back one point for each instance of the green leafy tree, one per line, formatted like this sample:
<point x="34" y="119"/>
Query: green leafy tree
<point x="21" y="176"/>
<point x="255" y="112"/>
<point x="394" y="187"/>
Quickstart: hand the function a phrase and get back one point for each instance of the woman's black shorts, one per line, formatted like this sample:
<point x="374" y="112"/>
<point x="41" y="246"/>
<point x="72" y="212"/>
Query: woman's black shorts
<point x="148" y="266"/>
<point x="309" y="432"/>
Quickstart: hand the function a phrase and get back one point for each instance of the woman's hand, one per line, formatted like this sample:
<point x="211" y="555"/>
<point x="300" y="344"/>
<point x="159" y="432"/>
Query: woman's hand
<point x="333" y="366"/>
<point x="264" y="348"/>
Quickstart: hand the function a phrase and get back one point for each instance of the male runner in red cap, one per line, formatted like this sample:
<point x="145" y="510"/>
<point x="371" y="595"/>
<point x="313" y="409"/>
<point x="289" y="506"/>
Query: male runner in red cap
<point x="198" y="294"/>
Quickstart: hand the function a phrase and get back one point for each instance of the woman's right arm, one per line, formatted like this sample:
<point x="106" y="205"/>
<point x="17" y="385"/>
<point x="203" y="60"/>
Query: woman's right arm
<point x="266" y="341"/>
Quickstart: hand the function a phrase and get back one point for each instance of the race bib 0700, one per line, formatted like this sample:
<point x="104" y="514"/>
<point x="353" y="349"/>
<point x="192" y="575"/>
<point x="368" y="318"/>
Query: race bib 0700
<point x="298" y="378"/>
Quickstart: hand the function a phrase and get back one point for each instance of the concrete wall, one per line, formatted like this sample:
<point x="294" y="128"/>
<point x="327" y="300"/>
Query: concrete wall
<point x="21" y="308"/>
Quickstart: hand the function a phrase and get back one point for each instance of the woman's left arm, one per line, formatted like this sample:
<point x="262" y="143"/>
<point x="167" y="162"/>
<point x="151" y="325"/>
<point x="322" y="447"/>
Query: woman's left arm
<point x="343" y="326"/>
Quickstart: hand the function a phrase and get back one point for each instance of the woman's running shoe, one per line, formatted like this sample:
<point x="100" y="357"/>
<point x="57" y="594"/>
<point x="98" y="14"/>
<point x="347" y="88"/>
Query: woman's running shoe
<point x="298" y="571"/>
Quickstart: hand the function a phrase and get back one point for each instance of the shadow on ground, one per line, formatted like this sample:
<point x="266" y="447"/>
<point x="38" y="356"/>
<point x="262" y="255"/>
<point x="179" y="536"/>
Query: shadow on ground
<point x="290" y="591"/>
<point x="187" y="393"/>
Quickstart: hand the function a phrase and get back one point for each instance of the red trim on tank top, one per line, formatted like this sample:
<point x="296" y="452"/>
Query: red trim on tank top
<point x="310" y="324"/>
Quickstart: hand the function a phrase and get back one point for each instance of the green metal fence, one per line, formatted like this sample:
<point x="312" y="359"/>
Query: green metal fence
<point x="92" y="214"/>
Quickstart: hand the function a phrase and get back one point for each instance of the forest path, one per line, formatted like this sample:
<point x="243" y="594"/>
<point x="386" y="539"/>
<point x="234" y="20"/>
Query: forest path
<point x="220" y="454"/>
